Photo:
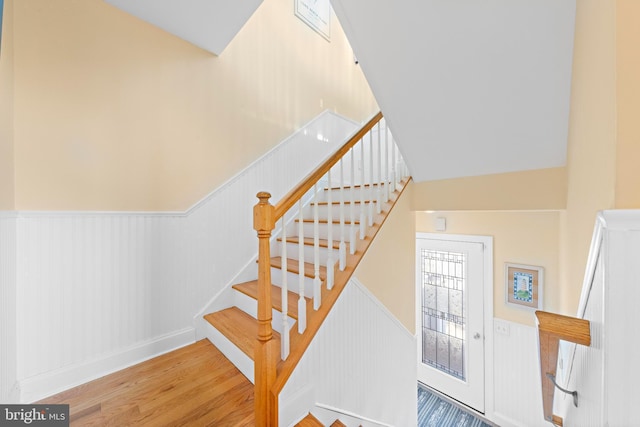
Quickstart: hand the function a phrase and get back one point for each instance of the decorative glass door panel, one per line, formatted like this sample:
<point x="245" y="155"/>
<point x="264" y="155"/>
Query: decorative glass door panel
<point x="443" y="311"/>
<point x="450" y="313"/>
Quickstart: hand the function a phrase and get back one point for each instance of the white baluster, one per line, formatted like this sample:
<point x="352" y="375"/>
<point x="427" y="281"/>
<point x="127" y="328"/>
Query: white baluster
<point x="386" y="163"/>
<point x="342" y="247"/>
<point x="362" y="191"/>
<point x="394" y="180"/>
<point x="317" y="283"/>
<point x="302" y="306"/>
<point x="371" y="198"/>
<point x="352" y="208"/>
<point x="379" y="175"/>
<point x="330" y="262"/>
<point x="285" y="294"/>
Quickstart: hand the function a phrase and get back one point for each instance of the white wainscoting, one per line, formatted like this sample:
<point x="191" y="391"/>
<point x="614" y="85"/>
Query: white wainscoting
<point x="98" y="291"/>
<point x="517" y="393"/>
<point x="606" y="374"/>
<point x="361" y="362"/>
<point x="8" y="358"/>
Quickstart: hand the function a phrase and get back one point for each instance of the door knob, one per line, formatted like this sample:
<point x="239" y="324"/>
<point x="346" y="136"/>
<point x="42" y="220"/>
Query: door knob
<point x="476" y="336"/>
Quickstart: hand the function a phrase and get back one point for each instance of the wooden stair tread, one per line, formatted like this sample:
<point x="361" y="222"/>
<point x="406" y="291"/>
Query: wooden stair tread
<point x="346" y="202"/>
<point x="240" y="328"/>
<point x="308" y="241"/>
<point x="338" y="423"/>
<point x="309" y="421"/>
<point x="347" y="187"/>
<point x="251" y="289"/>
<point x="292" y="267"/>
<point x="325" y="221"/>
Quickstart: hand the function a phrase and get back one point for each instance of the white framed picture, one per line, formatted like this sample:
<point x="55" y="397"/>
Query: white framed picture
<point x="524" y="285"/>
<point x="316" y="14"/>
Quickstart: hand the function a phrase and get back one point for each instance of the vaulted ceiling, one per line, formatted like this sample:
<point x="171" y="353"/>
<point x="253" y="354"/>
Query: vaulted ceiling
<point x="209" y="24"/>
<point x="468" y="87"/>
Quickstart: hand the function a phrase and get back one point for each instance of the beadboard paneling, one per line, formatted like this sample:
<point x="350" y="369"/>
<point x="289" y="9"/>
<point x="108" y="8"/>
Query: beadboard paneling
<point x="362" y="361"/>
<point x="8" y="356"/>
<point x="586" y="365"/>
<point x="517" y="391"/>
<point x="94" y="286"/>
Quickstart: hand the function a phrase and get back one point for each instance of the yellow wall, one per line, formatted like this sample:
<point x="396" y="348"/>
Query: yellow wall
<point x="535" y="189"/>
<point x="591" y="156"/>
<point x="6" y="110"/>
<point x="518" y="237"/>
<point x="628" y="104"/>
<point x="388" y="267"/>
<point x="112" y="113"/>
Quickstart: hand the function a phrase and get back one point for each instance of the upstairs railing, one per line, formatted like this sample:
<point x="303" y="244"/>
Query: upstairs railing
<point x="551" y="329"/>
<point x="370" y="167"/>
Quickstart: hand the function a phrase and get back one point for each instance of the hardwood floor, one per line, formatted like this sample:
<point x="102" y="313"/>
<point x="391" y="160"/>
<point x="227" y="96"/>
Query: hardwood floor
<point x="192" y="386"/>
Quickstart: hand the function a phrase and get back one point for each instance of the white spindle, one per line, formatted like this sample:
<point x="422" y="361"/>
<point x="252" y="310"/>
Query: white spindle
<point x="386" y="163"/>
<point x="394" y="178"/>
<point x="285" y="294"/>
<point x="342" y="248"/>
<point x="379" y="175"/>
<point x="302" y="306"/>
<point x="371" y="198"/>
<point x="362" y="191"/>
<point x="317" y="283"/>
<point x="352" y="207"/>
<point x="330" y="262"/>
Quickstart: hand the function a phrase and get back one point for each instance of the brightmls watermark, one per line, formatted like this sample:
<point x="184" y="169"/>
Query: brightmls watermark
<point x="34" y="415"/>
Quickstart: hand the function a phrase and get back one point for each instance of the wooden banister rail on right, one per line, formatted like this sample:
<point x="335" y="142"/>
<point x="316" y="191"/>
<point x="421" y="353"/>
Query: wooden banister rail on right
<point x="375" y="170"/>
<point x="308" y="182"/>
<point x="551" y="329"/>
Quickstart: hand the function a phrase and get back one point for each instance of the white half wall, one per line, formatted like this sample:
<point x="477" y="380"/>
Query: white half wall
<point x="98" y="291"/>
<point x="361" y="362"/>
<point x="8" y="358"/>
<point x="517" y="391"/>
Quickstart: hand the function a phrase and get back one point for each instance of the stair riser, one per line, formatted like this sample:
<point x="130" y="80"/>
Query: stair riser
<point x="231" y="351"/>
<point x="250" y="306"/>
<point x="292" y="282"/>
<point x="369" y="194"/>
<point x="323" y="231"/>
<point x="323" y="212"/>
<point x="292" y="253"/>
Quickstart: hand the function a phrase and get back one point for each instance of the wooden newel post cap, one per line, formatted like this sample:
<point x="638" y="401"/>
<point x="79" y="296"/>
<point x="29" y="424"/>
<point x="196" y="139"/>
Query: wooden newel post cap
<point x="263" y="213"/>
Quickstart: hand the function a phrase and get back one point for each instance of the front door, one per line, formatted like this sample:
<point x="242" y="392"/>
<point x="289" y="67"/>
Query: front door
<point x="451" y="318"/>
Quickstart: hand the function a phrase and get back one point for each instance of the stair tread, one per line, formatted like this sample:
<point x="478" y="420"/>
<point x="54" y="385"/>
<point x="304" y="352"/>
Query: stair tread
<point x="292" y="266"/>
<point x="346" y="202"/>
<point x="309" y="241"/>
<point x="309" y="421"/>
<point x="346" y="187"/>
<point x="240" y="328"/>
<point x="338" y="423"/>
<point x="251" y="289"/>
<point x="324" y="221"/>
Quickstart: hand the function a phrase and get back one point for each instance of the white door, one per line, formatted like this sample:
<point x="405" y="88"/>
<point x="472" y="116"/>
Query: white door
<point x="451" y="318"/>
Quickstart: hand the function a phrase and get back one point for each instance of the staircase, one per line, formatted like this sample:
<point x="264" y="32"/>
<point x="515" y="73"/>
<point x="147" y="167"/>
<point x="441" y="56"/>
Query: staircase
<point x="316" y="248"/>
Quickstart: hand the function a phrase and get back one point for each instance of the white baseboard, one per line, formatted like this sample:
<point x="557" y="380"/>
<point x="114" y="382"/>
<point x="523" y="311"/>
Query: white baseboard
<point x="40" y="386"/>
<point x="295" y="409"/>
<point x="328" y="414"/>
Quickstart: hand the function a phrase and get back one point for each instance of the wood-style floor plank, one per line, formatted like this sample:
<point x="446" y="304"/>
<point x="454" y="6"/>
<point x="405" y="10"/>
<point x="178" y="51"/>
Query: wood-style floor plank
<point x="194" y="385"/>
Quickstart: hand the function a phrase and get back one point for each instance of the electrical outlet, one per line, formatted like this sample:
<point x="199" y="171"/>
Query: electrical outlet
<point x="502" y="328"/>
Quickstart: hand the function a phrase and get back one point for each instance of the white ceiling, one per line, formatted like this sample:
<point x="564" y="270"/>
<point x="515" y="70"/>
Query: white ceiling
<point x="209" y="24"/>
<point x="469" y="87"/>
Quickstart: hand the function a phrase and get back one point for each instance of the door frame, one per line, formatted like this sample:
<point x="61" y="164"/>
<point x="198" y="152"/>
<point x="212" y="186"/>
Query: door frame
<point x="487" y="259"/>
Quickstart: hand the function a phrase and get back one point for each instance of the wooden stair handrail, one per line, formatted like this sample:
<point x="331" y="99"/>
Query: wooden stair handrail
<point x="265" y="216"/>
<point x="308" y="182"/>
<point x="552" y="328"/>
